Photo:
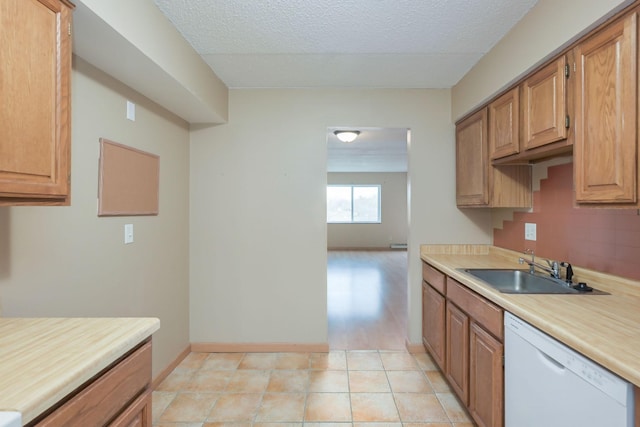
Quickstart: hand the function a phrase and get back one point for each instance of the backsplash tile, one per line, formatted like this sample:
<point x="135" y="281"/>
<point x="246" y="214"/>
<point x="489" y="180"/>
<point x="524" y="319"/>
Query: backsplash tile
<point x="606" y="240"/>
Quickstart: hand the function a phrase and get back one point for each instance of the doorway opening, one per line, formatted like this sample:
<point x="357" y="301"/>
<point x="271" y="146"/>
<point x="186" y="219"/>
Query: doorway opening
<point x="367" y="232"/>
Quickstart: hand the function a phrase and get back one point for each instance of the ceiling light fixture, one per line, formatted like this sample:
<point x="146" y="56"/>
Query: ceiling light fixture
<point x="347" y="135"/>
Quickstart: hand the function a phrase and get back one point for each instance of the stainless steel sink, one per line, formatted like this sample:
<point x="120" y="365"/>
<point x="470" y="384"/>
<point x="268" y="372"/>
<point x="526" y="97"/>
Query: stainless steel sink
<point x="522" y="282"/>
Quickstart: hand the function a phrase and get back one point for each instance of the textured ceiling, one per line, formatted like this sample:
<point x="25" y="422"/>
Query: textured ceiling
<point x="343" y="43"/>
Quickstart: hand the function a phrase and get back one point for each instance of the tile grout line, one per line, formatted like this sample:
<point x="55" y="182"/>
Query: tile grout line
<point x="393" y="395"/>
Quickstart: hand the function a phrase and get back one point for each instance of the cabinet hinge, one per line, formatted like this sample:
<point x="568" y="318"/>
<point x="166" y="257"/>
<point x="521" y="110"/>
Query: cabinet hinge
<point x="69" y="29"/>
<point x="503" y="360"/>
<point x="567" y="122"/>
<point x="566" y="70"/>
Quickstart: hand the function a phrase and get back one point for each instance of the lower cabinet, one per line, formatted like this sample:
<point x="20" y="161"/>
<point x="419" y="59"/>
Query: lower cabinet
<point x="118" y="397"/>
<point x="637" y="405"/>
<point x="486" y="378"/>
<point x="433" y="323"/>
<point x="136" y="415"/>
<point x="469" y="328"/>
<point x="457" y="355"/>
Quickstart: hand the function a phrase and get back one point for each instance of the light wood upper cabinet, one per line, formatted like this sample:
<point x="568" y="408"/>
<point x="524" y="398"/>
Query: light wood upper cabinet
<point x="606" y="147"/>
<point x="544" y="105"/>
<point x="478" y="183"/>
<point x="35" y="114"/>
<point x="584" y="100"/>
<point x="504" y="125"/>
<point x="472" y="162"/>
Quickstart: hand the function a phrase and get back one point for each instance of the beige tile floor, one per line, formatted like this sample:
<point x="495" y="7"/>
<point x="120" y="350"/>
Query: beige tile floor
<point x="375" y="388"/>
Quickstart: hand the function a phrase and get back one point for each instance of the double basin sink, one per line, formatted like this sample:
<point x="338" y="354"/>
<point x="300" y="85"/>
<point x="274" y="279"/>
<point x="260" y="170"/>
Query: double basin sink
<point x="523" y="282"/>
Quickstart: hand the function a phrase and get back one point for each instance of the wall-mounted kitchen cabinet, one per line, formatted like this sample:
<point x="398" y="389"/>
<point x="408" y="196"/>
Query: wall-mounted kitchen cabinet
<point x="504" y="125"/>
<point x="606" y="133"/>
<point x="544" y="105"/>
<point x="472" y="165"/>
<point x="531" y="121"/>
<point x="583" y="101"/>
<point x="478" y="183"/>
<point x="35" y="135"/>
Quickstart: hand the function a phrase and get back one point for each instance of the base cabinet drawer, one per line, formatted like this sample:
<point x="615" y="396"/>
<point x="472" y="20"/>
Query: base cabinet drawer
<point x="489" y="315"/>
<point x="434" y="277"/>
<point x="118" y="397"/>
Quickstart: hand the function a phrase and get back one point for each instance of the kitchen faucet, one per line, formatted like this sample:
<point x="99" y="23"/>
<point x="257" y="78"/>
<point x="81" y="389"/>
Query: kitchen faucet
<point x="553" y="269"/>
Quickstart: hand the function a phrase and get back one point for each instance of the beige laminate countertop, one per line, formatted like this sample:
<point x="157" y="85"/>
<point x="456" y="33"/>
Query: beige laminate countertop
<point x="44" y="359"/>
<point x="605" y="328"/>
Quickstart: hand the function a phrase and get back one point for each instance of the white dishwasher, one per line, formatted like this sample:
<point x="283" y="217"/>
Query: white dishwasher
<point x="549" y="384"/>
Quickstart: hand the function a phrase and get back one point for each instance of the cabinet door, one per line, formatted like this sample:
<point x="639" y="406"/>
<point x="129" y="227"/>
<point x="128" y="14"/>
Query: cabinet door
<point x="486" y="384"/>
<point x="544" y="105"/>
<point x="504" y="125"/>
<point x="605" y="147"/>
<point x="472" y="186"/>
<point x="433" y="323"/>
<point x="138" y="414"/>
<point x="457" y="354"/>
<point x="35" y="82"/>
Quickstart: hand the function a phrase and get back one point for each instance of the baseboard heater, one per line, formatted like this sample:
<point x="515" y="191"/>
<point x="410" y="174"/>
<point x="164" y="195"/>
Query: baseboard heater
<point x="398" y="246"/>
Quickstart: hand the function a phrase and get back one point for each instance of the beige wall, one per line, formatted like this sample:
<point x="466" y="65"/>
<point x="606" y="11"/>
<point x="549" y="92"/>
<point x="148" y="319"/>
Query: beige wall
<point x="65" y="261"/>
<point x="394" y="226"/>
<point x="258" y="207"/>
<point x="549" y="25"/>
<point x="153" y="57"/>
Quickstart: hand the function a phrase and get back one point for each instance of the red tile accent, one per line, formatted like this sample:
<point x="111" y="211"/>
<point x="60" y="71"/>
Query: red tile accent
<point x="606" y="240"/>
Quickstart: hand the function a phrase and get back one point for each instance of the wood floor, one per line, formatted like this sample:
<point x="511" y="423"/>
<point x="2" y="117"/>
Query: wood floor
<point x="367" y="300"/>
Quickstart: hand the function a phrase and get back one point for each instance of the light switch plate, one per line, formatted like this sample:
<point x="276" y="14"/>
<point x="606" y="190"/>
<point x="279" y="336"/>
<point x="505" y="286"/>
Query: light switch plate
<point x="529" y="231"/>
<point x="131" y="111"/>
<point x="128" y="234"/>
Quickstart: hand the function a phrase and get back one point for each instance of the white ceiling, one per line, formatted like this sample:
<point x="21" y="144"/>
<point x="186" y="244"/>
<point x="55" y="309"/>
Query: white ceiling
<point x="345" y="43"/>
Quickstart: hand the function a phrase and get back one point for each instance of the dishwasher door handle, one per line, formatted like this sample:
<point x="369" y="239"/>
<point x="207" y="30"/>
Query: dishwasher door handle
<point x="551" y="362"/>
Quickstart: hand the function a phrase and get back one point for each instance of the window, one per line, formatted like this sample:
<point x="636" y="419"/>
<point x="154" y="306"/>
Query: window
<point x="353" y="204"/>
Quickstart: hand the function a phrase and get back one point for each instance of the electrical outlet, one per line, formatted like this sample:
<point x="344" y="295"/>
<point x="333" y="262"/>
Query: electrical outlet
<point x="529" y="231"/>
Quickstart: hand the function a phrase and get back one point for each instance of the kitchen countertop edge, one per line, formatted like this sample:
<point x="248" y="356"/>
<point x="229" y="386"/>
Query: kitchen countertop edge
<point x="46" y="359"/>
